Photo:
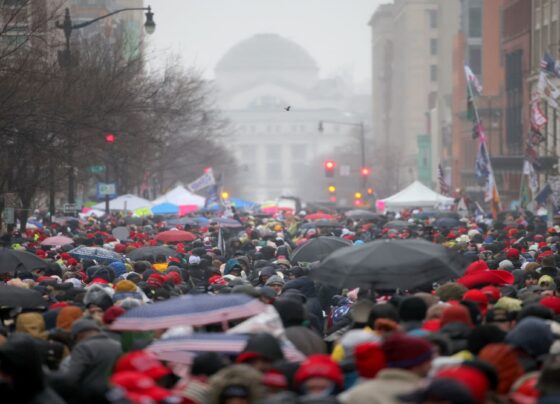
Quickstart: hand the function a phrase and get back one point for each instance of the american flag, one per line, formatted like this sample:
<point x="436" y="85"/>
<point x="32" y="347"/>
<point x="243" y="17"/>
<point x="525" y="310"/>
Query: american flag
<point x="443" y="186"/>
<point x="549" y="65"/>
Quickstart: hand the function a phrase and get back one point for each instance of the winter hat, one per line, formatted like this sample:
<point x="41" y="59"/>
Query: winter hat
<point x="261" y="345"/>
<point x="512" y="254"/>
<point x="492" y="293"/>
<point x="547" y="281"/>
<point x="275" y="280"/>
<point x="31" y="323"/>
<point x="118" y="267"/>
<point x="319" y="366"/>
<point x="369" y="358"/>
<point x="456" y="314"/>
<point x="144" y="362"/>
<point x="403" y="351"/>
<point x="112" y="313"/>
<point x="125" y="286"/>
<point x="553" y="303"/>
<point x="290" y="311"/>
<point x="533" y="335"/>
<point x="230" y="265"/>
<point x="502" y="357"/>
<point x="156" y="280"/>
<point x="506" y="264"/>
<point x="451" y="291"/>
<point x="83" y="325"/>
<point x="67" y="316"/>
<point x="477" y="296"/>
<point x="509" y="304"/>
<point x="139" y="387"/>
<point x="473" y="379"/>
<point x="412" y="308"/>
<point x="194" y="260"/>
<point x="483" y="335"/>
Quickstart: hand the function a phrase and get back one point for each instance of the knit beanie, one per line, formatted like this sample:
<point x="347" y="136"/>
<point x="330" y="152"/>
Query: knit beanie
<point x="67" y="316"/>
<point x="412" y="308"/>
<point x="456" y="314"/>
<point x="502" y="357"/>
<point x="118" y="267"/>
<point x="370" y="359"/>
<point x="533" y="335"/>
<point x="483" y="335"/>
<point x="125" y="286"/>
<point x="405" y="352"/>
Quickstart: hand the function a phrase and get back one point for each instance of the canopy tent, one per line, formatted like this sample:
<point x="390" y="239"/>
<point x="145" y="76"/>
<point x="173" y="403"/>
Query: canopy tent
<point x="184" y="199"/>
<point x="416" y="195"/>
<point x="127" y="202"/>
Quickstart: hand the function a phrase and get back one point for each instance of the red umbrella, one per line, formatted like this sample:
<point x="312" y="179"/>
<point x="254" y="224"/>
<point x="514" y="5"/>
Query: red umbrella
<point x="57" y="240"/>
<point x="319" y="216"/>
<point x="175" y="236"/>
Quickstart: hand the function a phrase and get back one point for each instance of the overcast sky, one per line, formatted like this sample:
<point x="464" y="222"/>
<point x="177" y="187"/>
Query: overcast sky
<point x="335" y="32"/>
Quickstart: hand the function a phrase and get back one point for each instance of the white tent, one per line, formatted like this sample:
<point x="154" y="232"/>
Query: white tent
<point x="416" y="195"/>
<point x="180" y="196"/>
<point x="125" y="202"/>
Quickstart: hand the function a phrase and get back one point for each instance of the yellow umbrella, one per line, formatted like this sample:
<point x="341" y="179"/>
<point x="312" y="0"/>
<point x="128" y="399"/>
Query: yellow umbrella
<point x="142" y="212"/>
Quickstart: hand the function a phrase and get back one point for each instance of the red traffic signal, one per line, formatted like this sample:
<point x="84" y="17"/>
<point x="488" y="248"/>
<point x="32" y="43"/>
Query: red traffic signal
<point x="329" y="168"/>
<point x="365" y="171"/>
<point x="332" y="199"/>
<point x="110" y="138"/>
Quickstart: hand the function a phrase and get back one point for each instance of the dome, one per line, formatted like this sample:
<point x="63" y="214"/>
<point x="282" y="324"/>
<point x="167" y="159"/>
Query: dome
<point x="266" y="52"/>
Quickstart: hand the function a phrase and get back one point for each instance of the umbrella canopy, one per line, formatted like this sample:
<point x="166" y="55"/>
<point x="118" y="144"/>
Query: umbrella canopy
<point x="362" y="214"/>
<point x="62" y="220"/>
<point x="397" y="224"/>
<point x="226" y="222"/>
<point x="175" y="236"/>
<point x="189" y="310"/>
<point x="180" y="196"/>
<point x="183" y="221"/>
<point x="183" y="348"/>
<point x="57" y="240"/>
<point x="165" y="208"/>
<point x="134" y="220"/>
<point x="145" y="253"/>
<point x="319" y="216"/>
<point x="320" y="223"/>
<point x="95" y="253"/>
<point x="447" y="223"/>
<point x="318" y="248"/>
<point x="126" y="202"/>
<point x="12" y="297"/>
<point x="14" y="260"/>
<point x="121" y="233"/>
<point x="390" y="264"/>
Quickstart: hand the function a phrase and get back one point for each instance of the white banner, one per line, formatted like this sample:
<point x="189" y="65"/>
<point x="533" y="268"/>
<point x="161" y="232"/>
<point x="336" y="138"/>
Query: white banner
<point x="204" y="181"/>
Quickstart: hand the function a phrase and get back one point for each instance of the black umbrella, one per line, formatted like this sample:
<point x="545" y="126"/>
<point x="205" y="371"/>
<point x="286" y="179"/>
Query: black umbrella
<point x="362" y="214"/>
<point x="390" y="264"/>
<point x="145" y="253"/>
<point x="447" y="223"/>
<point x="15" y="260"/>
<point x="14" y="297"/>
<point x="318" y="248"/>
<point x="397" y="224"/>
<point x="134" y="220"/>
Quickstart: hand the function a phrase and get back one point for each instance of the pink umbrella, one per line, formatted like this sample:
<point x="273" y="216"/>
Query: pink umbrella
<point x="57" y="240"/>
<point x="175" y="236"/>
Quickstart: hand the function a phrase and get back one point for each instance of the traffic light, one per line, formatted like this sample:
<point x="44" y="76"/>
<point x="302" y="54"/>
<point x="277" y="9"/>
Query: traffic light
<point x="358" y="199"/>
<point x="358" y="195"/>
<point x="225" y="195"/>
<point x="332" y="193"/>
<point x="370" y="191"/>
<point x="110" y="138"/>
<point x="332" y="189"/>
<point x="332" y="199"/>
<point x="365" y="171"/>
<point x="329" y="168"/>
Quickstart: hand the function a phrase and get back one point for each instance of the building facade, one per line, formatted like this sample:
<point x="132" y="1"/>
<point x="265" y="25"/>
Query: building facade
<point x="412" y="78"/>
<point x="271" y="93"/>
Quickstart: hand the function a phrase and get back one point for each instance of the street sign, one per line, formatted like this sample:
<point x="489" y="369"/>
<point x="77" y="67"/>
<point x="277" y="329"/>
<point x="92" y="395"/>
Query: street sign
<point x="70" y="207"/>
<point x="106" y="189"/>
<point x="99" y="169"/>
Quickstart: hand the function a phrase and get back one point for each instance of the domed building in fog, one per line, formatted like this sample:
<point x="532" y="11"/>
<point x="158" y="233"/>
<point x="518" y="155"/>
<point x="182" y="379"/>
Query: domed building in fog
<point x="279" y="152"/>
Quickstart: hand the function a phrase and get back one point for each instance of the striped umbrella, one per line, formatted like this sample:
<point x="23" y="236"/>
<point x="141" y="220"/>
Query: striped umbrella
<point x="183" y="349"/>
<point x="189" y="310"/>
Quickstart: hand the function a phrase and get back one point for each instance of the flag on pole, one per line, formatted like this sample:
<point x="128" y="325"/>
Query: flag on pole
<point x="538" y="119"/>
<point x="473" y="89"/>
<point x="549" y="65"/>
<point x="529" y="171"/>
<point x="443" y="186"/>
<point x="205" y="180"/>
<point x="547" y="90"/>
<point x="472" y="81"/>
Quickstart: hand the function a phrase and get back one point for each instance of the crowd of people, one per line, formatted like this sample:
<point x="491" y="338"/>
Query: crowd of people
<point x="490" y="336"/>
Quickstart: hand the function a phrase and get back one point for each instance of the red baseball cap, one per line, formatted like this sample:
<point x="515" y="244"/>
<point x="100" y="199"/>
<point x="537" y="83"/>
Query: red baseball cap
<point x="139" y="387"/>
<point x="143" y="362"/>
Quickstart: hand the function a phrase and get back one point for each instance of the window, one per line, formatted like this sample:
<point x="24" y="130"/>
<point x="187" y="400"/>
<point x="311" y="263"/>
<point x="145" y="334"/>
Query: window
<point x="475" y="22"/>
<point x="475" y="59"/>
<point x="433" y="46"/>
<point x="433" y="73"/>
<point x="433" y="15"/>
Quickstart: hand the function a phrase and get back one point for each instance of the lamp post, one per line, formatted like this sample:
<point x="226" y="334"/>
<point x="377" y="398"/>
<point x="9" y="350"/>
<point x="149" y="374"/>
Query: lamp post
<point x="65" y="60"/>
<point x="359" y="125"/>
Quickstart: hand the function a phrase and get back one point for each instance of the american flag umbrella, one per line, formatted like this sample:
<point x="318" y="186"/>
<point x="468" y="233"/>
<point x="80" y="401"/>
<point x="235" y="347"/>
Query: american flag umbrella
<point x="189" y="310"/>
<point x="175" y="236"/>
<point x="57" y="240"/>
<point x="94" y="253"/>
<point x="183" y="348"/>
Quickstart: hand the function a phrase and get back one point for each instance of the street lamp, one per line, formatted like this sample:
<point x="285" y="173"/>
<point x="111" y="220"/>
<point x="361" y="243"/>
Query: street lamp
<point x="65" y="60"/>
<point x="360" y="125"/>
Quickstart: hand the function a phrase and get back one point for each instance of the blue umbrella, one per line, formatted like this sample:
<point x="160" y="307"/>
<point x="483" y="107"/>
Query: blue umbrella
<point x="243" y="204"/>
<point x="201" y="220"/>
<point x="165" y="208"/>
<point x="98" y="254"/>
<point x="189" y="310"/>
<point x="183" y="348"/>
